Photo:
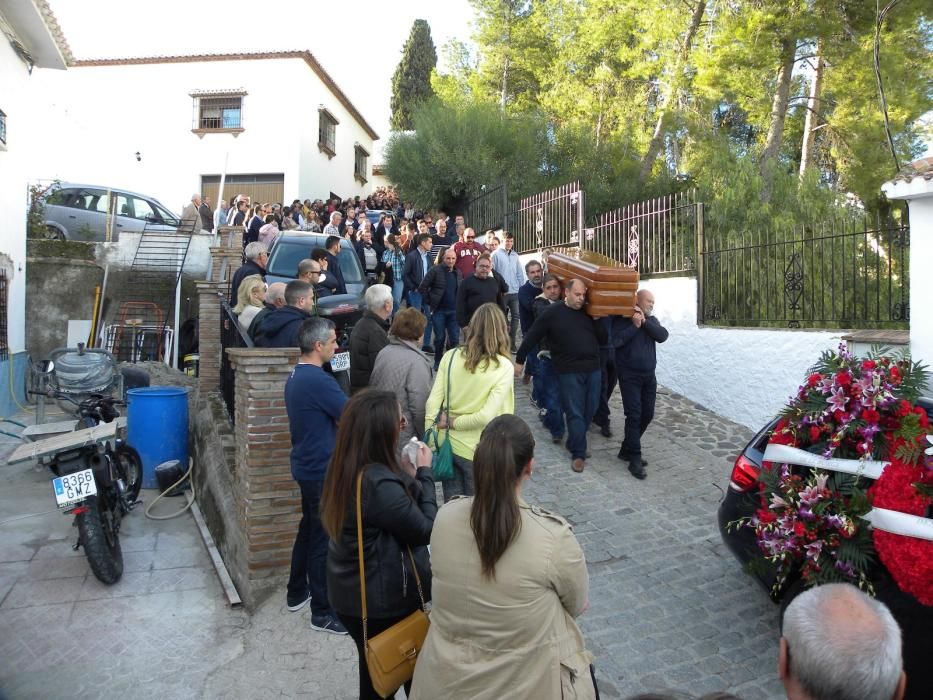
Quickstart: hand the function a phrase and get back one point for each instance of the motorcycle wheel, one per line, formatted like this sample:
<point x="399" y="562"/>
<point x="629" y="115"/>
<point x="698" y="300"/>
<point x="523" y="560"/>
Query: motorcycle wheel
<point x="101" y="542"/>
<point x="130" y="467"/>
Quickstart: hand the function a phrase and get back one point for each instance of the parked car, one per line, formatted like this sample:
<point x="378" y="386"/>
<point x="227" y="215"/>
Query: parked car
<point x="86" y="212"/>
<point x="343" y="309"/>
<point x="741" y="500"/>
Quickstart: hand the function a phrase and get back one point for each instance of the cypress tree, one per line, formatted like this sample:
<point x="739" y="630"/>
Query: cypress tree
<point x="411" y="83"/>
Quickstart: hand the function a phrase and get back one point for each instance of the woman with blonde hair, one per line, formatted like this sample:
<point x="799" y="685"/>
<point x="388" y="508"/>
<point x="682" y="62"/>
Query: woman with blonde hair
<point x="249" y="298"/>
<point x="474" y="385"/>
<point x="508" y="581"/>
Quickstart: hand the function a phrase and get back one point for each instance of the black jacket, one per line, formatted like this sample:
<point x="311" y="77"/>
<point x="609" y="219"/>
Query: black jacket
<point x="413" y="273"/>
<point x="250" y="267"/>
<point x="334" y="272"/>
<point x="279" y="329"/>
<point x="527" y="294"/>
<point x="636" y="346"/>
<point x="367" y="338"/>
<point x="361" y="254"/>
<point x="473" y="293"/>
<point x="572" y="337"/>
<point x="435" y="283"/>
<point x="397" y="511"/>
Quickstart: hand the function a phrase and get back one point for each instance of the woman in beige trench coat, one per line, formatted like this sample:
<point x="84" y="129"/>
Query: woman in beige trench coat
<point x="508" y="581"/>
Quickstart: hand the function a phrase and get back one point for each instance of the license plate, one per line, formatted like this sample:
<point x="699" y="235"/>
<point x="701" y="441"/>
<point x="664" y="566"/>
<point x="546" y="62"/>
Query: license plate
<point x="72" y="489"/>
<point x="340" y="362"/>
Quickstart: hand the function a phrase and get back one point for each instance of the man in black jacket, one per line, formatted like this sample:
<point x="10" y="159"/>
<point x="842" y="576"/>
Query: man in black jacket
<point x="526" y="299"/>
<point x="280" y="328"/>
<point x="573" y="339"/>
<point x="369" y="335"/>
<point x="440" y="288"/>
<point x="256" y="258"/>
<point x="635" y="340"/>
<point x="332" y="245"/>
<point x="417" y="264"/>
<point x="482" y="287"/>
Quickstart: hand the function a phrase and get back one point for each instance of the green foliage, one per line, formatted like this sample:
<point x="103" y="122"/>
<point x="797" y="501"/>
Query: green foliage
<point x="603" y="74"/>
<point x="453" y="152"/>
<point x="35" y="216"/>
<point x="411" y="83"/>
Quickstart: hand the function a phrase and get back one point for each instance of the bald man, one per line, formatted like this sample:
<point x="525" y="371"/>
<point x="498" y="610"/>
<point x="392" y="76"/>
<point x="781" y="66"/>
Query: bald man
<point x="839" y="643"/>
<point x="635" y="340"/>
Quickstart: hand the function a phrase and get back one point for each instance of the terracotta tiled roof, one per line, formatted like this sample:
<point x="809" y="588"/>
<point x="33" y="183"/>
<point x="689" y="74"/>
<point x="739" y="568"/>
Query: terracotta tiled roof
<point x="306" y="56"/>
<point x="55" y="30"/>
<point x="923" y="167"/>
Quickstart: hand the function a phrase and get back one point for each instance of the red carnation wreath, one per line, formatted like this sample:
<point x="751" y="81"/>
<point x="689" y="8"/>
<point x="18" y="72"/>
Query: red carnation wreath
<point x="909" y="559"/>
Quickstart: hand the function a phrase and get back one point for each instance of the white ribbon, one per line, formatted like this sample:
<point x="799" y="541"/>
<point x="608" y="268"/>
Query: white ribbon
<point x="794" y="455"/>
<point x="880" y="518"/>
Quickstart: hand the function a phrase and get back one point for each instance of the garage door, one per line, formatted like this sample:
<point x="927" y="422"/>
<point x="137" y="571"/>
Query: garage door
<point x="264" y="187"/>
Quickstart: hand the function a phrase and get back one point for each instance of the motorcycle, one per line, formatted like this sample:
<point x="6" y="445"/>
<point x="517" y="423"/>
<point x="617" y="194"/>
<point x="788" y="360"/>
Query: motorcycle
<point x="97" y="483"/>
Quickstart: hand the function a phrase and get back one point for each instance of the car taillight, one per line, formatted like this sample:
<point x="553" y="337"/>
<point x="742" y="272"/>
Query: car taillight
<point x="744" y="474"/>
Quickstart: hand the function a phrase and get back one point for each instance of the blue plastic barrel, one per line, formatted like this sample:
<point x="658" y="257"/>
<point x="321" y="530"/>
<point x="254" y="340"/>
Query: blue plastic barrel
<point x="157" y="426"/>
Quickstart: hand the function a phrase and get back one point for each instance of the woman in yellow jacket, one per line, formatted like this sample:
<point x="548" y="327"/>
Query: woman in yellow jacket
<point x="508" y="579"/>
<point x="482" y="386"/>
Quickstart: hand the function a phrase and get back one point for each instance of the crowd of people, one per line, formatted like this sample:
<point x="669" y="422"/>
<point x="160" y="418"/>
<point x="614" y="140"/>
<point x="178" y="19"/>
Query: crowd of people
<point x="448" y="325"/>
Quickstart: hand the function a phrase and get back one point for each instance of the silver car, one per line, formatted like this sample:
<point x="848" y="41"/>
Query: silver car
<point x="91" y="213"/>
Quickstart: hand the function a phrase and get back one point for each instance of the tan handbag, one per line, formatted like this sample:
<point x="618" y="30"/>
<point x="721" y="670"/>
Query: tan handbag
<point x="391" y="654"/>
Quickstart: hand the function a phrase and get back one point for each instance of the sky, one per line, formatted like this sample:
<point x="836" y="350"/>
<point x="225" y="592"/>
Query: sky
<point x="359" y="42"/>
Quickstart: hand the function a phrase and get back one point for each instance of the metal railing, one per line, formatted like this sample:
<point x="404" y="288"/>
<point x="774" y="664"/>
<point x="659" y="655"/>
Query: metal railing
<point x="488" y="209"/>
<point x="230" y="337"/>
<point x="837" y="275"/>
<point x="657" y="236"/>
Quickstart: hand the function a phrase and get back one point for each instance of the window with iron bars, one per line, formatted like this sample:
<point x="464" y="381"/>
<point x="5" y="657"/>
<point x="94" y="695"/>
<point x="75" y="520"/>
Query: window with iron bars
<point x="4" y="298"/>
<point x="360" y="163"/>
<point x="327" y="132"/>
<point x="2" y="128"/>
<point x="218" y="113"/>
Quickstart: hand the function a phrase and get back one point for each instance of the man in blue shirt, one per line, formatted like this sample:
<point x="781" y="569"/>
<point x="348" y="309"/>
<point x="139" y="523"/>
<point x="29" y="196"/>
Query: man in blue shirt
<point x="507" y="263"/>
<point x="314" y="403"/>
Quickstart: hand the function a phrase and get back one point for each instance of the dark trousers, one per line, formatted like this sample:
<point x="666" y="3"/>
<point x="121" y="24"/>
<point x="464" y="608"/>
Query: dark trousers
<point x="549" y="397"/>
<point x="511" y="304"/>
<point x="579" y="396"/>
<point x="374" y="625"/>
<point x="639" y="391"/>
<point x="607" y="362"/>
<point x="309" y="553"/>
<point x="417" y="301"/>
<point x="531" y="370"/>
<point x="462" y="483"/>
<point x="445" y="328"/>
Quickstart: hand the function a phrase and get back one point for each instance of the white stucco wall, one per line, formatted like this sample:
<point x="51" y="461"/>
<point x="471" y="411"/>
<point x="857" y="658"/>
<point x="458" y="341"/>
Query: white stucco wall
<point x="14" y="80"/>
<point x="744" y="375"/>
<point x="921" y="281"/>
<point x="93" y="120"/>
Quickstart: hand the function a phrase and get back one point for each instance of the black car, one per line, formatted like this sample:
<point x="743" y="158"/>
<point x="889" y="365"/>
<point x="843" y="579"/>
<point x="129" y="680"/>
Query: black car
<point x="741" y="500"/>
<point x="344" y="310"/>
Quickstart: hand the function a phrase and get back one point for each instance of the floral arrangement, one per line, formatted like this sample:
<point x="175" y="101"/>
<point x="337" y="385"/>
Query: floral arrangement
<point x="816" y="521"/>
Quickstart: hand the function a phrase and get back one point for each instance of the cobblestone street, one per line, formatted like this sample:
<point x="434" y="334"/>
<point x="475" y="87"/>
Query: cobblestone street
<point x="669" y="607"/>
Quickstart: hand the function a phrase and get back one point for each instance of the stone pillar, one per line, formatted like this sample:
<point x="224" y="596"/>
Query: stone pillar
<point x="224" y="262"/>
<point x="915" y="185"/>
<point x="268" y="499"/>
<point x="209" y="334"/>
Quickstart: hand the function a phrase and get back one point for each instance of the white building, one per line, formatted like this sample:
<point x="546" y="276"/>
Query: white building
<point x="30" y="41"/>
<point x="168" y="126"/>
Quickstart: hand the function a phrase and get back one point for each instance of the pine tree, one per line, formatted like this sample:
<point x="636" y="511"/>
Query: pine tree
<point x="411" y="83"/>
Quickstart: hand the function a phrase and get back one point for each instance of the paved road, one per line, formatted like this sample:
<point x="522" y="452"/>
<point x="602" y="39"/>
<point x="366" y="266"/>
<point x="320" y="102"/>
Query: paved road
<point x="669" y="608"/>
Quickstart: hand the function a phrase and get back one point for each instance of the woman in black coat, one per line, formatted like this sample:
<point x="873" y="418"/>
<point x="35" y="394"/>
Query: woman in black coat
<point x="398" y="509"/>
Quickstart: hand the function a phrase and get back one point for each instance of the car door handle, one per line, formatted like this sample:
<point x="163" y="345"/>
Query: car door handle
<point x="72" y="216"/>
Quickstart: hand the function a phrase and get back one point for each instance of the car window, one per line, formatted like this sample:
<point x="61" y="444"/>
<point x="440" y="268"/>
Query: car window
<point x="99" y="201"/>
<point x="124" y="206"/>
<point x="286" y="256"/>
<point x="349" y="265"/>
<point x="61" y="197"/>
<point x="164" y="214"/>
<point x="142" y="210"/>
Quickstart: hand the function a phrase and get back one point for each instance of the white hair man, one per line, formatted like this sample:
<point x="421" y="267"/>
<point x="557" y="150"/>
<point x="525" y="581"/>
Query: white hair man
<point x="333" y="228"/>
<point x="839" y="644"/>
<point x="191" y="215"/>
<point x="370" y="335"/>
<point x="256" y="258"/>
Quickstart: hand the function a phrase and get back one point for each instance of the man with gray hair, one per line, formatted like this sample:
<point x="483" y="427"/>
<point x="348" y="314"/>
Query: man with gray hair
<point x="191" y="215"/>
<point x="837" y="643"/>
<point x="256" y="258"/>
<point x="369" y="335"/>
<point x="274" y="299"/>
<point x="333" y="228"/>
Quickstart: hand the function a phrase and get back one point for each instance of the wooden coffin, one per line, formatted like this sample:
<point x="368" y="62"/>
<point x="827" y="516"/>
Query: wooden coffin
<point x="611" y="285"/>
